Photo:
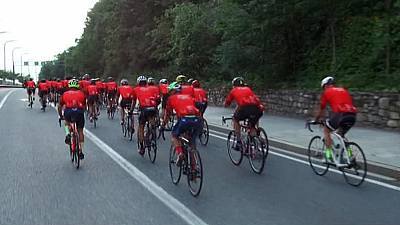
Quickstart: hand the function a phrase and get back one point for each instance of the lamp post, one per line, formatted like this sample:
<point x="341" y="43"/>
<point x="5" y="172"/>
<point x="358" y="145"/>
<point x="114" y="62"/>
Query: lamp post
<point x="13" y="63"/>
<point x="5" y="43"/>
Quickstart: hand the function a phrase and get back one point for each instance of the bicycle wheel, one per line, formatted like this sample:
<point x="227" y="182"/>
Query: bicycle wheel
<point x="152" y="145"/>
<point x="235" y="154"/>
<point x="264" y="140"/>
<point x="356" y="171"/>
<point x="124" y="128"/>
<point x="174" y="170"/>
<point x="195" y="172"/>
<point x="316" y="156"/>
<point x="94" y="121"/>
<point x="75" y="139"/>
<point x="256" y="155"/>
<point x="130" y="128"/>
<point x="204" y="135"/>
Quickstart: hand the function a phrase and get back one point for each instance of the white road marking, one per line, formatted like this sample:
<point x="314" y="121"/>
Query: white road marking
<point x="393" y="187"/>
<point x="176" y="206"/>
<point x="24" y="99"/>
<point x="5" y="98"/>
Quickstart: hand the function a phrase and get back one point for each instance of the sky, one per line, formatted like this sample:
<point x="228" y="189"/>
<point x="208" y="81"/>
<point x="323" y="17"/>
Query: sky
<point x="42" y="28"/>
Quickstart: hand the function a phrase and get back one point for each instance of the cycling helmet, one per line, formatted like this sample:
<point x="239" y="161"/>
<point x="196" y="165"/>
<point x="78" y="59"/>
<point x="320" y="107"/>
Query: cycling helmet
<point x="110" y="79"/>
<point x="150" y="81"/>
<point x="86" y="77"/>
<point x="181" y="78"/>
<point x="163" y="81"/>
<point x="190" y="80"/>
<point x="327" y="80"/>
<point x="141" y="80"/>
<point x="73" y="84"/>
<point x="174" y="86"/>
<point x="93" y="81"/>
<point x="43" y="81"/>
<point x="196" y="84"/>
<point x="58" y="79"/>
<point x="31" y="79"/>
<point x="237" y="81"/>
<point x="124" y="82"/>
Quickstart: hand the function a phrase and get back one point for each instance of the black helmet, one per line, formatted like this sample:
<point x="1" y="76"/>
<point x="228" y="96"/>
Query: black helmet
<point x="238" y="81"/>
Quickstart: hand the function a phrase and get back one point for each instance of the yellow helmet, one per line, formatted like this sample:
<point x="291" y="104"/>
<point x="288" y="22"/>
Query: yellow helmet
<point x="180" y="78"/>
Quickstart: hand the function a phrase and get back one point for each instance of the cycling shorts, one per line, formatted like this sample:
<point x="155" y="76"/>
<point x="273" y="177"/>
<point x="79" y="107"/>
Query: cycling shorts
<point x="42" y="93"/>
<point x="125" y="103"/>
<point x="111" y="94"/>
<point x="344" y="121"/>
<point x="75" y="115"/>
<point x="146" y="114"/>
<point x="92" y="99"/>
<point x="192" y="124"/>
<point x="30" y="90"/>
<point x="250" y="112"/>
<point x="201" y="106"/>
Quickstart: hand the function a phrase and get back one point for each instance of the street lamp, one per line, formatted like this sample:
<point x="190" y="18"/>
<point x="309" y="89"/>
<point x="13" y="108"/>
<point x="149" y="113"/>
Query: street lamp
<point x="12" y="56"/>
<point x="5" y="43"/>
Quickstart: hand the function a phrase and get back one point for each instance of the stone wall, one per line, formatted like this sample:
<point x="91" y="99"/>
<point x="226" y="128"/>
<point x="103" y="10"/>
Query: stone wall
<point x="376" y="109"/>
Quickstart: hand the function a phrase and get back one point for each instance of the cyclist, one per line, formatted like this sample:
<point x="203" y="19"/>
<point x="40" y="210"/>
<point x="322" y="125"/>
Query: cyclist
<point x="111" y="87"/>
<point x="84" y="83"/>
<point x="30" y="88"/>
<point x="127" y="95"/>
<point x="200" y="97"/>
<point x="163" y="86"/>
<point x="186" y="87"/>
<point x="65" y="84"/>
<point x="148" y="102"/>
<point x="92" y="100"/>
<point x="343" y="114"/>
<point x="43" y="89"/>
<point x="188" y="116"/>
<point x="73" y="102"/>
<point x="249" y="106"/>
<point x="101" y="87"/>
<point x="151" y="84"/>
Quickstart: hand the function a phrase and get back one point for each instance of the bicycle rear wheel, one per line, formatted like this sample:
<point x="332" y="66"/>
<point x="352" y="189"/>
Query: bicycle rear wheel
<point x="316" y="156"/>
<point x="235" y="154"/>
<point x="256" y="155"/>
<point x="174" y="170"/>
<point x="75" y="149"/>
<point x="195" y="172"/>
<point x="204" y="135"/>
<point x="356" y="171"/>
<point x="152" y="145"/>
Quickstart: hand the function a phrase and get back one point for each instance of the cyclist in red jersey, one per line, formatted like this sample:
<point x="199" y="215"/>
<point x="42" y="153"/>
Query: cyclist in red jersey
<point x="148" y="101"/>
<point x="248" y="106"/>
<point x="84" y="83"/>
<point x="200" y="97"/>
<point x="188" y="116"/>
<point x="163" y="86"/>
<point x="343" y="115"/>
<point x="151" y="84"/>
<point x="43" y="89"/>
<point x="93" y="95"/>
<point x="127" y="95"/>
<point x="30" y="88"/>
<point x="65" y="84"/>
<point x="73" y="102"/>
<point x="111" y="87"/>
<point x="187" y="88"/>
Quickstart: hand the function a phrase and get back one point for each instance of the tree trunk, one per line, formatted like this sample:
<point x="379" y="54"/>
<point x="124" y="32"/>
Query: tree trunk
<point x="333" y="37"/>
<point x="388" y="7"/>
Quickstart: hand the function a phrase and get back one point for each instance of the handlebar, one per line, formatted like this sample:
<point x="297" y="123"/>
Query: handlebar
<point x="224" y="119"/>
<point x="312" y="122"/>
<point x="59" y="121"/>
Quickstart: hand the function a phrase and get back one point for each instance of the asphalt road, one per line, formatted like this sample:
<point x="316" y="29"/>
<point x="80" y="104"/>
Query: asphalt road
<point x="40" y="186"/>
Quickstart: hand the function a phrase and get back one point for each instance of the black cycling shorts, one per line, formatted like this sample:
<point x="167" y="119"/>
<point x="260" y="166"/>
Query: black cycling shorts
<point x="164" y="101"/>
<point x="30" y="90"/>
<point x="344" y="121"/>
<point x="42" y="93"/>
<point x="75" y="115"/>
<point x="92" y="99"/>
<point x="201" y="106"/>
<point x="146" y="114"/>
<point x="250" y="112"/>
<point x="125" y="103"/>
<point x="111" y="94"/>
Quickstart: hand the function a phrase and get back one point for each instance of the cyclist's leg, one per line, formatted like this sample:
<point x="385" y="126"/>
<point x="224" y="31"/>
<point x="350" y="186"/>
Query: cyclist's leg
<point x="142" y="122"/>
<point x="238" y="116"/>
<point x="80" y="123"/>
<point x="176" y="131"/>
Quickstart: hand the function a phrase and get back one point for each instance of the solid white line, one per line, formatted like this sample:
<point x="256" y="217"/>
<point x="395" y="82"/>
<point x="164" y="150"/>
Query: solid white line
<point x="176" y="206"/>
<point x="330" y="169"/>
<point x="5" y="98"/>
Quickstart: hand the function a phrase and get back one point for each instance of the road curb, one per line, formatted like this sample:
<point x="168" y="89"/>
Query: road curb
<point x="374" y="167"/>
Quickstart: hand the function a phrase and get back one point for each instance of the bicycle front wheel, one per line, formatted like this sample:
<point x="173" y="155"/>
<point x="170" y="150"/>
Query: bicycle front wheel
<point x="356" y="170"/>
<point x="174" y="170"/>
<point x="152" y="146"/>
<point x="316" y="156"/>
<point x="195" y="173"/>
<point x="204" y="135"/>
<point x="235" y="153"/>
<point x="264" y="140"/>
<point x="256" y="155"/>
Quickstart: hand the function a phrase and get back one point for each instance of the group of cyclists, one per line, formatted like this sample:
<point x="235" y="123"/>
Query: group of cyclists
<point x="183" y="97"/>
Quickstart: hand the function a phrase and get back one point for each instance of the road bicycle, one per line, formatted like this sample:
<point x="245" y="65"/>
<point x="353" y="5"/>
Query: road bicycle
<point x="255" y="148"/>
<point x="128" y="124"/>
<point x="191" y="165"/>
<point x="348" y="156"/>
<point x="150" y="139"/>
<point x="111" y="111"/>
<point x="74" y="145"/>
<point x="43" y="101"/>
<point x="30" y="99"/>
<point x="205" y="133"/>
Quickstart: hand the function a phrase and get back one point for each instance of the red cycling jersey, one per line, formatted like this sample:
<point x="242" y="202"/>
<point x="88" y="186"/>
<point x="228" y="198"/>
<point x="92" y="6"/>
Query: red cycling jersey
<point x="73" y="99"/>
<point x="111" y="86"/>
<point x="30" y="84"/>
<point x="187" y="90"/>
<point x="126" y="92"/>
<point x="83" y="84"/>
<point x="54" y="84"/>
<point x="183" y="105"/>
<point x="163" y="89"/>
<point x="155" y="90"/>
<point x="200" y="95"/>
<point x="145" y="96"/>
<point x="64" y="83"/>
<point x="92" y="90"/>
<point x="243" y="96"/>
<point x="59" y="86"/>
<point x="100" y="85"/>
<point x="339" y="99"/>
<point x="43" y="87"/>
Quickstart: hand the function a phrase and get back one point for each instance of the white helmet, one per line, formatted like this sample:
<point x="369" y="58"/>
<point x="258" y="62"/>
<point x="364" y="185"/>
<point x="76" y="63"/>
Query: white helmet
<point x="141" y="79"/>
<point x="327" y="80"/>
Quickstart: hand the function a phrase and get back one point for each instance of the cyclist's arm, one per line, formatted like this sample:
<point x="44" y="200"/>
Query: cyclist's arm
<point x="228" y="99"/>
<point x="322" y="107"/>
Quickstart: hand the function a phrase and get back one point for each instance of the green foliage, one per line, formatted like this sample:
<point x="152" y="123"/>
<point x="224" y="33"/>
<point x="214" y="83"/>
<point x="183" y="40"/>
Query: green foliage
<point x="273" y="44"/>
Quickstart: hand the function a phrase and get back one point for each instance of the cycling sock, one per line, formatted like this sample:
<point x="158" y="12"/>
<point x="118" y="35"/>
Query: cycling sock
<point x="179" y="150"/>
<point x="66" y="129"/>
<point x="349" y="151"/>
<point x="328" y="153"/>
